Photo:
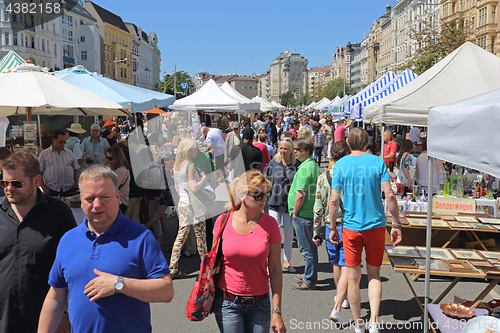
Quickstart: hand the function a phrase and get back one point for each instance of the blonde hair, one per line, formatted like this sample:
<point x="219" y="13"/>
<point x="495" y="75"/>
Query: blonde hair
<point x="304" y="133"/>
<point x="182" y="152"/>
<point x="246" y="183"/>
<point x="288" y="143"/>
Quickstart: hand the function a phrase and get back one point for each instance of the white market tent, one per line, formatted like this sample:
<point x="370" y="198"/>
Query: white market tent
<point x="228" y="89"/>
<point x="332" y="102"/>
<point x="209" y="97"/>
<point x="312" y="105"/>
<point x="369" y="91"/>
<point x="452" y="137"/>
<point x="320" y="106"/>
<point x="278" y="105"/>
<point x="466" y="72"/>
<point x="264" y="104"/>
<point x="397" y="83"/>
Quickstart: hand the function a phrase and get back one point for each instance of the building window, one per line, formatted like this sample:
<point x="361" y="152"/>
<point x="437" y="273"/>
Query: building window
<point x="14" y="38"/>
<point x="7" y="41"/>
<point x="84" y="55"/>
<point x="54" y="28"/>
<point x="473" y="23"/>
<point x="494" y="14"/>
<point x="492" y="44"/>
<point x="67" y="20"/>
<point x="68" y="50"/>
<point x="43" y="44"/>
<point x="14" y="18"/>
<point x="6" y="16"/>
<point x="67" y="35"/>
<point x="82" y="39"/>
<point x="55" y="49"/>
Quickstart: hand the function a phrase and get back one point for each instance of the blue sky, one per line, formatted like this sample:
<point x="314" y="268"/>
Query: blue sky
<point x="244" y="37"/>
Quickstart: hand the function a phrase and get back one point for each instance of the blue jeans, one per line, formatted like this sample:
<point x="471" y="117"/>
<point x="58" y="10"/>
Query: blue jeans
<point x="237" y="318"/>
<point x="304" y="230"/>
<point x="317" y="154"/>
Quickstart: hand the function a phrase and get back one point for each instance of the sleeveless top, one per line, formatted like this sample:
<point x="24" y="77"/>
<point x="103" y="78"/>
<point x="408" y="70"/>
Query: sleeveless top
<point x="181" y="179"/>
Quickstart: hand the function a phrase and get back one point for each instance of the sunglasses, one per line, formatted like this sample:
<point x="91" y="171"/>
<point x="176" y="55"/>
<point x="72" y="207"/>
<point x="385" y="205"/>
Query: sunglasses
<point x="109" y="158"/>
<point x="298" y="149"/>
<point x="258" y="196"/>
<point x="15" y="183"/>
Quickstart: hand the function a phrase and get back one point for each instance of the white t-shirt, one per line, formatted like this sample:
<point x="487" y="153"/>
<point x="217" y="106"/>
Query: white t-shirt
<point x="216" y="141"/>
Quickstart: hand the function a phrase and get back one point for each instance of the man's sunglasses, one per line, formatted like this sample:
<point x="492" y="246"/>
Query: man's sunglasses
<point x="15" y="183"/>
<point x="298" y="149"/>
<point x="109" y="158"/>
<point x="258" y="196"/>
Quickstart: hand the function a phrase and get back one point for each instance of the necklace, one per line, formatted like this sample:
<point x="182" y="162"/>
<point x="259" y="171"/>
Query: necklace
<point x="253" y="226"/>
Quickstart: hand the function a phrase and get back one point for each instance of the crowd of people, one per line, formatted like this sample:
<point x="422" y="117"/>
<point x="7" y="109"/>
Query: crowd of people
<point x="109" y="266"/>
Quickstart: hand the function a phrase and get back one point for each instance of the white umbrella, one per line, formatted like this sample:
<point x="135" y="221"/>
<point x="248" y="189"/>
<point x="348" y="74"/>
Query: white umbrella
<point x="31" y="89"/>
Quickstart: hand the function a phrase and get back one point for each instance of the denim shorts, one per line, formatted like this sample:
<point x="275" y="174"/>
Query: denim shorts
<point x="236" y="318"/>
<point x="335" y="251"/>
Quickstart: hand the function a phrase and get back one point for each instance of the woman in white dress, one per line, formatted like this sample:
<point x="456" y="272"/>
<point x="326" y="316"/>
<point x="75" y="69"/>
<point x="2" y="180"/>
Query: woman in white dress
<point x="186" y="151"/>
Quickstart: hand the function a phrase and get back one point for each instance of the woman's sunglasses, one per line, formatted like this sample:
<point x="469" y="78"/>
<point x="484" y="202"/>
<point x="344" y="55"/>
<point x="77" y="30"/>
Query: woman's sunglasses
<point x="15" y="183"/>
<point x="258" y="196"/>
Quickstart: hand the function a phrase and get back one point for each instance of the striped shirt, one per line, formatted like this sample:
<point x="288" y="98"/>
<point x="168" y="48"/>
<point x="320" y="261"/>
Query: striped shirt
<point x="58" y="169"/>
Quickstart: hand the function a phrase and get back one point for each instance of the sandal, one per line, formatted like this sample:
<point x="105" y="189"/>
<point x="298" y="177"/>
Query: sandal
<point x="177" y="275"/>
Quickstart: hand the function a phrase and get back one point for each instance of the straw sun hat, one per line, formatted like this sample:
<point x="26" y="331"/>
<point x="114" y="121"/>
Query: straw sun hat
<point x="76" y="128"/>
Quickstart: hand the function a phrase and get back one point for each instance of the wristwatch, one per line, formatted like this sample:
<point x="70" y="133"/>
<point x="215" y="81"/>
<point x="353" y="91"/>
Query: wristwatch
<point x="119" y="284"/>
<point x="278" y="311"/>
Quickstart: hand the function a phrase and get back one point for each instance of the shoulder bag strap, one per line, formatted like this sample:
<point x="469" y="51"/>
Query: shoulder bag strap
<point x="124" y="182"/>
<point x="329" y="177"/>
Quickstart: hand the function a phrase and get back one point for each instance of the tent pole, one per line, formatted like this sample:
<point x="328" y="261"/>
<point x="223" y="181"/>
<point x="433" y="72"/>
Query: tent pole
<point x="382" y="141"/>
<point x="428" y="235"/>
<point x="39" y="134"/>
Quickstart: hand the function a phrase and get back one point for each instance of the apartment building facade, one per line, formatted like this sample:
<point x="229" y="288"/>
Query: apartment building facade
<point x="288" y="71"/>
<point x="317" y="78"/>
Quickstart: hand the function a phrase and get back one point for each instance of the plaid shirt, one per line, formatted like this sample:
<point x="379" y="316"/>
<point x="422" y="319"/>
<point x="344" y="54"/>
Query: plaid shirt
<point x="318" y="139"/>
<point x="322" y="203"/>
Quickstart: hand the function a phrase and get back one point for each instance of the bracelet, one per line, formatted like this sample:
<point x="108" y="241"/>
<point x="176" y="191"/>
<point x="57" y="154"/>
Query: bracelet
<point x="332" y="229"/>
<point x="396" y="226"/>
<point x="278" y="311"/>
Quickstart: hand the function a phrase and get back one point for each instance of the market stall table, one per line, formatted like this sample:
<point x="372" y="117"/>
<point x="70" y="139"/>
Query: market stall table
<point x="447" y="324"/>
<point x="421" y="206"/>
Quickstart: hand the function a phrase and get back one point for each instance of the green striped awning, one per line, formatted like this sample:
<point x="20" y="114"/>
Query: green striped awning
<point x="12" y="59"/>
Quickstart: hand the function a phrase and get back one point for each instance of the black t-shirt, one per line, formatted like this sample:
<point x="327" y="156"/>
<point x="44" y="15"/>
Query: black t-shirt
<point x="249" y="155"/>
<point x="111" y="141"/>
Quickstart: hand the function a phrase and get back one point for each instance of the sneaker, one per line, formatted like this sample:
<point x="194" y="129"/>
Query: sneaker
<point x="345" y="303"/>
<point x="373" y="328"/>
<point x="336" y="316"/>
<point x="299" y="278"/>
<point x="360" y="330"/>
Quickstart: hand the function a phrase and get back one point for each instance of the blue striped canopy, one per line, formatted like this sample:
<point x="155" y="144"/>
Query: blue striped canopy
<point x="369" y="91"/>
<point x="398" y="82"/>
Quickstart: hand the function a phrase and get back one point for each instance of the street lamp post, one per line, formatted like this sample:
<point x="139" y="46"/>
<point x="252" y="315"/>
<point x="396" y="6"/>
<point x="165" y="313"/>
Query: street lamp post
<point x="116" y="67"/>
<point x="175" y="80"/>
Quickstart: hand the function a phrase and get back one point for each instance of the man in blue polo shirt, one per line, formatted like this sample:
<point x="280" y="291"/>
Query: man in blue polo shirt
<point x="108" y="269"/>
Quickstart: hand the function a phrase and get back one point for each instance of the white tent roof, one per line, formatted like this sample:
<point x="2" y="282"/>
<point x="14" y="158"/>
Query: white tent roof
<point x="466" y="72"/>
<point x="333" y="101"/>
<point x="278" y="105"/>
<point x="320" y="106"/>
<point x="264" y="104"/>
<point x="209" y="97"/>
<point x="248" y="104"/>
<point x="452" y="132"/>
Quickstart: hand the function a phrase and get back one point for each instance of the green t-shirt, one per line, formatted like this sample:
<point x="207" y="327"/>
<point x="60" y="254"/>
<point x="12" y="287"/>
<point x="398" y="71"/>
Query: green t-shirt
<point x="305" y="179"/>
<point x="203" y="162"/>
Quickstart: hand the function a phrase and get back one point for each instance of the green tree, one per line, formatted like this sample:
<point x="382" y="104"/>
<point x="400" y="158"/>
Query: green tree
<point x="305" y="99"/>
<point x="335" y="88"/>
<point x="433" y="44"/>
<point x="167" y="84"/>
<point x="287" y="99"/>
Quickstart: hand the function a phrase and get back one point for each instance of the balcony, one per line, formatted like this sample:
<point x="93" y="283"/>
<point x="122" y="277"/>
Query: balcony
<point x="68" y="60"/>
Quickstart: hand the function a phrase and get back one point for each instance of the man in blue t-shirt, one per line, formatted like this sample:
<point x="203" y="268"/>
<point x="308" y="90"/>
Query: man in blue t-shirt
<point x="108" y="269"/>
<point x="360" y="176"/>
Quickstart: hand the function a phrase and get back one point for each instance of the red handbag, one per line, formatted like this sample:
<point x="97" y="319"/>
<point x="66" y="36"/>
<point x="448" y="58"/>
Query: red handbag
<point x="202" y="296"/>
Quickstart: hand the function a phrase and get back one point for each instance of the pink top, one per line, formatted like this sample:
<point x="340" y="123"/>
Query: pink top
<point x="265" y="153"/>
<point x="339" y="134"/>
<point x="244" y="271"/>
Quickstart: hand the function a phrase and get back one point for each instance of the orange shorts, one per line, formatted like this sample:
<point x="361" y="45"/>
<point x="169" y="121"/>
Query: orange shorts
<point x="372" y="240"/>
